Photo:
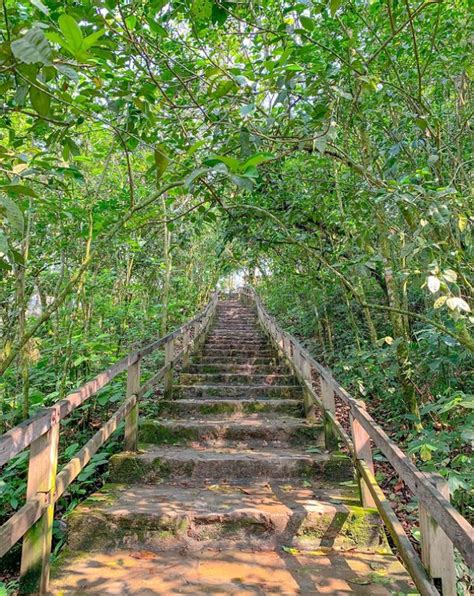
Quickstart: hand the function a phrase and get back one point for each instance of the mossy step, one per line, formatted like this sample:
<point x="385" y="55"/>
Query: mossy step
<point x="236" y="343"/>
<point x="156" y="464"/>
<point x="255" y="432"/>
<point x="220" y="406"/>
<point x="257" y="516"/>
<point x="241" y="391"/>
<point x="236" y="378"/>
<point x="250" y="369"/>
<point x="268" y="360"/>
<point x="238" y="351"/>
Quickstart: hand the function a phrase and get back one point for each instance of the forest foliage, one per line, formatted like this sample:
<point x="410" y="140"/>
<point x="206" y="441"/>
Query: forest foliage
<point x="150" y="149"/>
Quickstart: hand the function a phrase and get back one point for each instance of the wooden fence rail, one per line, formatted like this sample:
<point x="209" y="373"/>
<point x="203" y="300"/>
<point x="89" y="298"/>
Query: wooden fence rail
<point x="441" y="525"/>
<point x="34" y="521"/>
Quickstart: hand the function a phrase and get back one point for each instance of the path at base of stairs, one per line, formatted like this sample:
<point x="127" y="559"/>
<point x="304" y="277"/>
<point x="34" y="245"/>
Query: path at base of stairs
<point x="231" y="491"/>
<point x="233" y="572"/>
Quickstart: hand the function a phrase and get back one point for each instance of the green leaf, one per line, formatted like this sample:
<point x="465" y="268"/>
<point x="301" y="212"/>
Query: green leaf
<point x="13" y="213"/>
<point x="3" y="243"/>
<point x="231" y="162"/>
<point x="193" y="175"/>
<point x="40" y="100"/>
<point x="91" y="39"/>
<point x="19" y="189"/>
<point x="32" y="48"/>
<point x="307" y="23"/>
<point x="71" y="31"/>
<point x="256" y="160"/>
<point x="334" y="6"/>
<point x="201" y="10"/>
<point x="40" y="6"/>
<point x="321" y="143"/>
<point x="161" y="161"/>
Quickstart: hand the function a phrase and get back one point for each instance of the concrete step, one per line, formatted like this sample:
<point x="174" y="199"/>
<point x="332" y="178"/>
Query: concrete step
<point x="251" y="432"/>
<point x="229" y="572"/>
<point x="250" y="351"/>
<point x="255" y="516"/>
<point x="236" y="378"/>
<point x="161" y="463"/>
<point x="238" y="391"/>
<point x="228" y="407"/>
<point x="236" y="344"/>
<point x="239" y="359"/>
<point x="230" y="367"/>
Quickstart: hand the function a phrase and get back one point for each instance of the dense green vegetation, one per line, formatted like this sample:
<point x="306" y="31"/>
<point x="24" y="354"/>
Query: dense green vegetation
<point x="149" y="149"/>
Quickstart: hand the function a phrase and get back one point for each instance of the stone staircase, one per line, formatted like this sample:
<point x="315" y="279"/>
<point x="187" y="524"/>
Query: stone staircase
<point x="231" y="491"/>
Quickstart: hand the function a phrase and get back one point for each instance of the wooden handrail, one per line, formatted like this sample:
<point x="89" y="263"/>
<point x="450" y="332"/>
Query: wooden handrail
<point x="34" y="520"/>
<point x="454" y="527"/>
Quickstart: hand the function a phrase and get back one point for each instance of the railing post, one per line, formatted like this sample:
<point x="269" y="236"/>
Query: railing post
<point x="306" y="375"/>
<point x="187" y="346"/>
<point x="437" y="552"/>
<point x="131" y="421"/>
<point x="168" y="377"/>
<point x="329" y="404"/>
<point x="34" y="573"/>
<point x="362" y="450"/>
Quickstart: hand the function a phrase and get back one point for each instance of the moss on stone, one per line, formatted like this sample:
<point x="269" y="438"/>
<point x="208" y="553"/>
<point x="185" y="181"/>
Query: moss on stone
<point x="125" y="467"/>
<point x="356" y="527"/>
<point x="151" y="431"/>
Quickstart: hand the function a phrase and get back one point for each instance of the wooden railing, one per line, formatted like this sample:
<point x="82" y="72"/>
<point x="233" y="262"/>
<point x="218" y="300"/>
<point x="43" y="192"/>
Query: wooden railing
<point x="34" y="521"/>
<point x="441" y="526"/>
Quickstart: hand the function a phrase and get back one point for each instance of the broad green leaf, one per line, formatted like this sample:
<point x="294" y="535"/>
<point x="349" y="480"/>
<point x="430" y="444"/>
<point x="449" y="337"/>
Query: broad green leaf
<point x="40" y="6"/>
<point x="321" y="143"/>
<point x="91" y="39"/>
<point x="256" y="160"/>
<point x="71" y="31"/>
<point x="201" y="10"/>
<point x="193" y="175"/>
<point x="3" y="243"/>
<point x="307" y="23"/>
<point x="231" y="162"/>
<point x="40" y="100"/>
<point x="32" y="48"/>
<point x="335" y="5"/>
<point x="161" y="161"/>
<point x="19" y="189"/>
<point x="13" y="213"/>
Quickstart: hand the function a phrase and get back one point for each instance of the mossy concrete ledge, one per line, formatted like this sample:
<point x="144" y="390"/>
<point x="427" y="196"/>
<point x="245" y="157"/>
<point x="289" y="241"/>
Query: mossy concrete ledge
<point x="346" y="528"/>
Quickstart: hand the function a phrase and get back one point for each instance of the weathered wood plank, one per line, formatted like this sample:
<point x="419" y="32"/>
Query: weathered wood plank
<point x="20" y="522"/>
<point x="437" y="551"/>
<point x="362" y="451"/>
<point x="131" y="420"/>
<point x="34" y="572"/>
<point x="151" y="381"/>
<point x="401" y="540"/>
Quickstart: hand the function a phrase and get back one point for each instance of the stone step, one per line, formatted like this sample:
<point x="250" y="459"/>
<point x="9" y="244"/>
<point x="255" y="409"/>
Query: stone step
<point x="228" y="407"/>
<point x="160" y="463"/>
<point x="255" y="516"/>
<point x="250" y="351"/>
<point x="254" y="432"/>
<point x="237" y="336"/>
<point x="239" y="359"/>
<point x="230" y="367"/>
<point x="229" y="572"/>
<point x="236" y="326"/>
<point x="237" y="343"/>
<point x="236" y="378"/>
<point x="263" y="391"/>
